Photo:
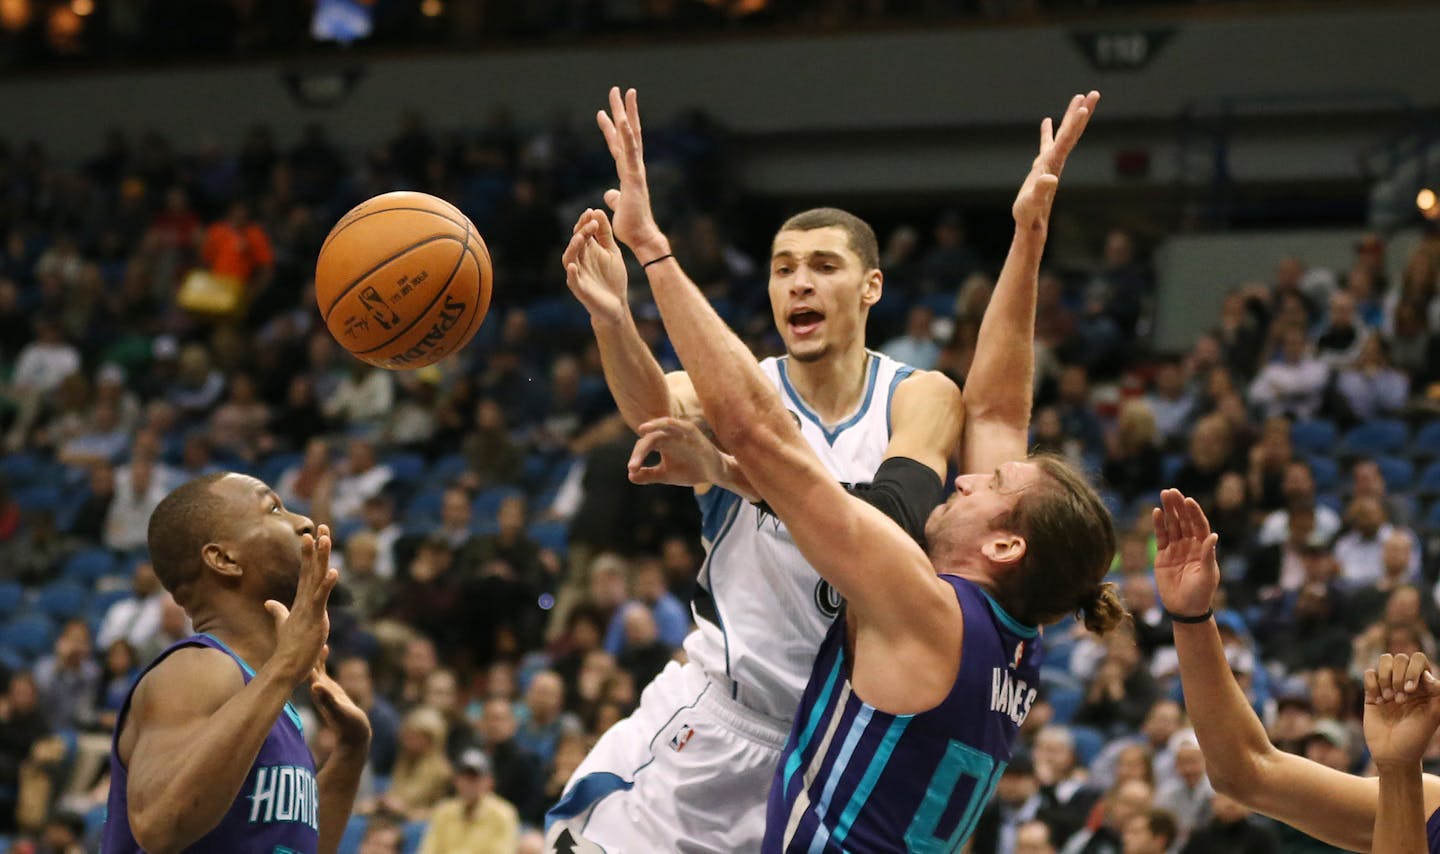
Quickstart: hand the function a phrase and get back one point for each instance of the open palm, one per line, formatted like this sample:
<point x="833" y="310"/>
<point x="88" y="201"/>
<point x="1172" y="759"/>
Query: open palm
<point x="1186" y="572"/>
<point x="1037" y="194"/>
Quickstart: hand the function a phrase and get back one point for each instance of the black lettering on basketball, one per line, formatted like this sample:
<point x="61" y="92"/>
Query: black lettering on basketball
<point x="450" y="314"/>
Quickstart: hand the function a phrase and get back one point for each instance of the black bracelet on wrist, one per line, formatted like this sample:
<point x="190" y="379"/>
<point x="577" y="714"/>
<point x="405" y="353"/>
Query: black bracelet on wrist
<point x="1177" y="618"/>
<point x="657" y="260"/>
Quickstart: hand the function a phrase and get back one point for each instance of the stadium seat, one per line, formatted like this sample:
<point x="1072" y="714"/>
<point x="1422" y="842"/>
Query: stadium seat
<point x="1373" y="438"/>
<point x="354" y="833"/>
<point x="1326" y="472"/>
<point x="425" y="503"/>
<point x="100" y="603"/>
<point x="275" y="465"/>
<point x="30" y="635"/>
<point x="414" y="835"/>
<point x="406" y="467"/>
<point x="1088" y="743"/>
<point x="446" y="469"/>
<point x="86" y="566"/>
<point x="551" y="535"/>
<point x="1170" y="467"/>
<point x="537" y="470"/>
<point x="1313" y="437"/>
<point x="40" y="497"/>
<point x="487" y="503"/>
<point x="12" y="596"/>
<point x="1426" y="443"/>
<point x="61" y="600"/>
<point x="21" y="469"/>
<point x="1432" y="519"/>
<point x="1428" y="486"/>
<point x="1331" y="501"/>
<point x="1062" y="691"/>
<point x="1399" y="473"/>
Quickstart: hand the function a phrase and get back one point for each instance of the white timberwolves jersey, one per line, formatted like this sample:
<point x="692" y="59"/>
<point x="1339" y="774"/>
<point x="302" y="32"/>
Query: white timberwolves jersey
<point x="761" y="611"/>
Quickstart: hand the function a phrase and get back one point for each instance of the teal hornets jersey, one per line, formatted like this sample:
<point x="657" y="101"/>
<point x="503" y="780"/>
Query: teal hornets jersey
<point x="853" y="778"/>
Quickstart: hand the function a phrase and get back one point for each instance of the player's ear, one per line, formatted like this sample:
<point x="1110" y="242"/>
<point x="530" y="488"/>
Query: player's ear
<point x="219" y="559"/>
<point x="1004" y="548"/>
<point x="871" y="287"/>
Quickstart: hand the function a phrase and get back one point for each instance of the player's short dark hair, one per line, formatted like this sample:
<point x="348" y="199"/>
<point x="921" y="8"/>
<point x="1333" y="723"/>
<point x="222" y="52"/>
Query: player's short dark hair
<point x="861" y="235"/>
<point x="1069" y="544"/>
<point x="183" y="522"/>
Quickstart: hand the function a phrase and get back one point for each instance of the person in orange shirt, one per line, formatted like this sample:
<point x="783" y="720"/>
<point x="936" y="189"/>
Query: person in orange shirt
<point x="237" y="247"/>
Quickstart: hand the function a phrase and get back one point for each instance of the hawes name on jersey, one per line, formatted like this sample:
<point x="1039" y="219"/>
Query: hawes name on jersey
<point x="1010" y="697"/>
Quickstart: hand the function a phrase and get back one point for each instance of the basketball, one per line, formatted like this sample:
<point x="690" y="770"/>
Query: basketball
<point x="403" y="280"/>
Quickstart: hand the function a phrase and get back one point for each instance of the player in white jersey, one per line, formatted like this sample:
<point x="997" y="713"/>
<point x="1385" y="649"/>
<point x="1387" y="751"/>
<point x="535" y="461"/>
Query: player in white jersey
<point x="691" y="768"/>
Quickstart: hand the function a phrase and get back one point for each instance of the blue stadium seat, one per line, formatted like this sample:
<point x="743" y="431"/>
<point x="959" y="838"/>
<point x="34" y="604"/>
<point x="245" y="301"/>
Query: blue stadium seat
<point x="1426" y="443"/>
<point x="406" y="467"/>
<point x="1432" y="519"/>
<point x="1058" y="656"/>
<point x="354" y="833"/>
<point x="551" y="535"/>
<point x="537" y="469"/>
<point x="1332" y="501"/>
<point x="1062" y="691"/>
<point x="61" y="600"/>
<point x="40" y="497"/>
<point x="1428" y="485"/>
<point x="30" y="635"/>
<point x="12" y="596"/>
<point x="1170" y="467"/>
<point x="1373" y="438"/>
<point x="1326" y="472"/>
<point x="1088" y="743"/>
<point x="22" y="469"/>
<point x="1399" y="473"/>
<point x="487" y="503"/>
<point x="100" y="603"/>
<point x="1313" y="437"/>
<point x="414" y="835"/>
<point x="446" y="469"/>
<point x="426" y="503"/>
<point x="86" y="566"/>
<point x="275" y="465"/>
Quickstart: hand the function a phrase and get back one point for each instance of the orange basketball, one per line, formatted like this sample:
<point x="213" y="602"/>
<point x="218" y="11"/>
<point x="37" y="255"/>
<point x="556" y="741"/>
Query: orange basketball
<point x="403" y="280"/>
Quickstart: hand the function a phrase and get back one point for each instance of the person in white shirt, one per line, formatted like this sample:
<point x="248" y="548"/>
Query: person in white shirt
<point x="917" y="346"/>
<point x="137" y="493"/>
<point x="362" y="478"/>
<point x="1172" y="402"/>
<point x="1293" y="384"/>
<point x="1299" y="490"/>
<point x="364" y="397"/>
<point x="40" y="367"/>
<point x="1361" y="550"/>
<point x="135" y="620"/>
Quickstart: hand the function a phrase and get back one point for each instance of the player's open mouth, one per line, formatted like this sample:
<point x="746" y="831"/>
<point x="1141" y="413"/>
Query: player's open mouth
<point x="804" y="321"/>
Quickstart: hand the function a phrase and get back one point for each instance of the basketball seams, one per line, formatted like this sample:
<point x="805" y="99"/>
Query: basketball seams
<point x="347" y="221"/>
<point x="439" y="294"/>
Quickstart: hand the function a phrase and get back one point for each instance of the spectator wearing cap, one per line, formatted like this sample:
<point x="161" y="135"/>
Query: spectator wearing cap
<point x="1361" y="550"/>
<point x="1154" y="832"/>
<point x="476" y="820"/>
<point x="1232" y="829"/>
<point x="1187" y="793"/>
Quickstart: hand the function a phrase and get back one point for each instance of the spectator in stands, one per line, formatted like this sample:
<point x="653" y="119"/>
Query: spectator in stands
<point x="1121" y="692"/>
<point x="1163" y="720"/>
<point x="238" y="248"/>
<point x="102" y="440"/>
<point x="519" y="774"/>
<point x="300" y="416"/>
<point x="1155" y="832"/>
<point x="442" y="693"/>
<point x="455" y="523"/>
<point x="43" y="363"/>
<point x="1014" y="806"/>
<point x="428" y="595"/>
<point x="1076" y="415"/>
<point x="643" y="655"/>
<point x="491" y="456"/>
<point x="22" y="725"/>
<point x="476" y="819"/>
<point x="69" y="679"/>
<point x="1239" y="332"/>
<point x="949" y="262"/>
<point x="89" y="521"/>
<point x="416" y="664"/>
<point x="378" y="520"/>
<point x="1132" y="452"/>
<point x="1299" y="491"/>
<point x="1232" y="829"/>
<point x="9" y="514"/>
<point x="1369" y="386"/>
<point x="383" y="835"/>
<point x="369" y="593"/>
<point x="1171" y="402"/>
<point x="136" y="618"/>
<point x="238" y="426"/>
<point x="543" y="719"/>
<point x="1033" y="837"/>
<point x="1304" y="626"/>
<point x="672" y="618"/>
<point x="120" y="671"/>
<point x="1065" y="797"/>
<point x="1368" y="481"/>
<point x="1294" y="384"/>
<point x="362" y="400"/>
<point x="1186" y="794"/>
<point x="198" y="385"/>
<point x="353" y="674"/>
<point x="137" y="493"/>
<point x="916" y="346"/>
<point x="421" y="776"/>
<point x="36" y="550"/>
<point x="1211" y="455"/>
<point x="1343" y="335"/>
<point x="360" y="477"/>
<point x="1103" y="831"/>
<point x="1360" y="550"/>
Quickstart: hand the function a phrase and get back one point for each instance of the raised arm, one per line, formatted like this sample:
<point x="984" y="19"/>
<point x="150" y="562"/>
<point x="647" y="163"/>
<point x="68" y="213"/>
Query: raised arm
<point x="1330" y="805"/>
<point x="1402" y="711"/>
<point x="641" y="389"/>
<point x="1000" y="386"/>
<point x="882" y="573"/>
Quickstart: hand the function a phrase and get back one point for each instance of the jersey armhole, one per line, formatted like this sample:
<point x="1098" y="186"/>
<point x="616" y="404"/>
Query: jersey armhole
<point x="122" y="716"/>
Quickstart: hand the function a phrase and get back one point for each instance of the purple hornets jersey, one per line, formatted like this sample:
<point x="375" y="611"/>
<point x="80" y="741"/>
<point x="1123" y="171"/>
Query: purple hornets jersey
<point x="853" y="778"/>
<point x="277" y="811"/>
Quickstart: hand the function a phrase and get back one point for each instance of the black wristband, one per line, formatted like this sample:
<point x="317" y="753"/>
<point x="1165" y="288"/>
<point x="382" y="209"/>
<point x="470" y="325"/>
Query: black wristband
<point x="1177" y="618"/>
<point x="657" y="260"/>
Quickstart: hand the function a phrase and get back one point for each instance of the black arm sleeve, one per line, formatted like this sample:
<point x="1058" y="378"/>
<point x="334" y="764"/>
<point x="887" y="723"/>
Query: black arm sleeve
<point x="903" y="489"/>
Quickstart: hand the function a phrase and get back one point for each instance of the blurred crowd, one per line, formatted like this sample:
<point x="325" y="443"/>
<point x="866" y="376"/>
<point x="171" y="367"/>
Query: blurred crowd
<point x="507" y="592"/>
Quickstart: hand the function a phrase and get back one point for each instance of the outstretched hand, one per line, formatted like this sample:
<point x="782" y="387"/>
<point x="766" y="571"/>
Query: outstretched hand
<point x="594" y="268"/>
<point x="634" y="218"/>
<point x="1186" y="572"/>
<point x="302" y="629"/>
<point x="687" y="456"/>
<point x="1402" y="708"/>
<point x="1037" y="194"/>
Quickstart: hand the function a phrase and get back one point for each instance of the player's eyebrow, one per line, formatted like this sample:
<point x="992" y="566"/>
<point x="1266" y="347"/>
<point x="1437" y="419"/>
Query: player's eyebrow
<point x="999" y="479"/>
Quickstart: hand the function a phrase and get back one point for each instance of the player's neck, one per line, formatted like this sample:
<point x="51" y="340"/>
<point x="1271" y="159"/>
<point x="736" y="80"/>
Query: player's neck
<point x="831" y="386"/>
<point x="249" y="635"/>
